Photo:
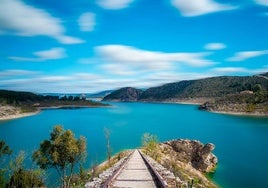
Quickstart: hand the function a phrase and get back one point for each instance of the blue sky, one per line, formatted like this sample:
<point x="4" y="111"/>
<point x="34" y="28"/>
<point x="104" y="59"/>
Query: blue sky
<point x="85" y="46"/>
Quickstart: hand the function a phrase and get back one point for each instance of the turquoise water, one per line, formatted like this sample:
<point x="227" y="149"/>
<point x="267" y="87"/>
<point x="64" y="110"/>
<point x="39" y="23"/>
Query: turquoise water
<point x="241" y="142"/>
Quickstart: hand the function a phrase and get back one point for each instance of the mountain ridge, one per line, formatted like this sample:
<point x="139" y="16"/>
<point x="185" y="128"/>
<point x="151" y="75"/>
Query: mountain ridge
<point x="241" y="91"/>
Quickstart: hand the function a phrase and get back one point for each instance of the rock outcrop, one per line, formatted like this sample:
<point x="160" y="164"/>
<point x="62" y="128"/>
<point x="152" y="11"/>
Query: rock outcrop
<point x="193" y="152"/>
<point x="188" y="160"/>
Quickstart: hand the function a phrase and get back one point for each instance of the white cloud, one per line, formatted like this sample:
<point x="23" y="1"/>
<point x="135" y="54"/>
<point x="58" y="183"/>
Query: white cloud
<point x="18" y="18"/>
<point x="119" y="69"/>
<point x="262" y="2"/>
<point x="86" y="76"/>
<point x="87" y="21"/>
<point x="53" y="79"/>
<point x="114" y="4"/>
<point x="219" y="71"/>
<point x="69" y="40"/>
<point x="83" y="82"/>
<point x="54" y="53"/>
<point x="199" y="7"/>
<point x="215" y="46"/>
<point x="17" y="72"/>
<point x="51" y="54"/>
<point x="120" y="58"/>
<point x="229" y="70"/>
<point x="242" y="56"/>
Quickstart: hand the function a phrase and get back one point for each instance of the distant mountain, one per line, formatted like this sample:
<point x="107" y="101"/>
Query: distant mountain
<point x="204" y="88"/>
<point x="124" y="94"/>
<point x="225" y="93"/>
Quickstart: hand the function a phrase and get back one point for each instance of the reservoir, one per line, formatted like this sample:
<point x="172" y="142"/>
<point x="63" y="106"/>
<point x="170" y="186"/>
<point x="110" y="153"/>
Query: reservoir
<point x="241" y="141"/>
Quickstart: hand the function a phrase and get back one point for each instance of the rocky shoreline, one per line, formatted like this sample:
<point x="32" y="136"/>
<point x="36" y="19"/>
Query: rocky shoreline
<point x="8" y="112"/>
<point x="233" y="108"/>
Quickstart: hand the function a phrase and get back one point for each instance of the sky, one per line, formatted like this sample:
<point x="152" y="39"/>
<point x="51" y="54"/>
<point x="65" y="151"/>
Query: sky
<point x="87" y="46"/>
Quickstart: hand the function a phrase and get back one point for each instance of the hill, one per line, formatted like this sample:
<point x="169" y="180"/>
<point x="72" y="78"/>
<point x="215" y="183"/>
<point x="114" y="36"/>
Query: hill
<point x="127" y="94"/>
<point x="247" y="93"/>
<point x="204" y="88"/>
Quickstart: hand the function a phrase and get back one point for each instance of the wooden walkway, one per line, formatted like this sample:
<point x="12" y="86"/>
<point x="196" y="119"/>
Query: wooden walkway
<point x="136" y="173"/>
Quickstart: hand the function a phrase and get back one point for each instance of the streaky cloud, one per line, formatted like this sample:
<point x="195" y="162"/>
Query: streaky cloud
<point x="215" y="46"/>
<point x="244" y="55"/>
<point x="17" y="72"/>
<point x="114" y="4"/>
<point x="229" y="70"/>
<point x="189" y="8"/>
<point x="262" y="2"/>
<point x="51" y="54"/>
<point x="19" y="18"/>
<point x="139" y="59"/>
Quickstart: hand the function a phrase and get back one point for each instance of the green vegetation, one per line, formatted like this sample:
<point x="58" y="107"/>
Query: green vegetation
<point x="62" y="152"/>
<point x="241" y="103"/>
<point x="240" y="94"/>
<point x="15" y="174"/>
<point x="124" y="94"/>
<point x="4" y="150"/>
<point x="169" y="156"/>
<point x="96" y="170"/>
<point x="208" y="88"/>
<point x="21" y="177"/>
<point x="30" y="102"/>
<point x="150" y="145"/>
<point x="214" y="87"/>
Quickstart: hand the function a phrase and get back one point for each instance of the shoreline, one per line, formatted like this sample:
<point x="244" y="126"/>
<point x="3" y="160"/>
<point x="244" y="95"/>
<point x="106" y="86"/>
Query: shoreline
<point x="39" y="109"/>
<point x="20" y="115"/>
<point x="239" y="113"/>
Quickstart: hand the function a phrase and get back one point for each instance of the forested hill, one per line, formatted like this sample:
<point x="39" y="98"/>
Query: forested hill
<point x="124" y="94"/>
<point x="214" y="87"/>
<point x="205" y="88"/>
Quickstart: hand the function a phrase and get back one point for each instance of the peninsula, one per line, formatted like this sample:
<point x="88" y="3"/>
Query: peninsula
<point x="15" y="104"/>
<point x="179" y="163"/>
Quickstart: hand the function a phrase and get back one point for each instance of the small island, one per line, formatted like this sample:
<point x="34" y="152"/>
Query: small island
<point x="15" y="104"/>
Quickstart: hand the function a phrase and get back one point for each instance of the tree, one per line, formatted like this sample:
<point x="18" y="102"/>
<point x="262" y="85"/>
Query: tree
<point x="70" y="98"/>
<point x="62" y="152"/>
<point x="20" y="177"/>
<point x="257" y="88"/>
<point x="107" y="134"/>
<point x="4" y="150"/>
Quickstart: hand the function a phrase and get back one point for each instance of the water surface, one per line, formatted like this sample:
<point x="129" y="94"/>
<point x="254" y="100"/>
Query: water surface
<point x="241" y="142"/>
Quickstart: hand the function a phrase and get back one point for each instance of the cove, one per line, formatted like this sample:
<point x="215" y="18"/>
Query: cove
<point x="241" y="141"/>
